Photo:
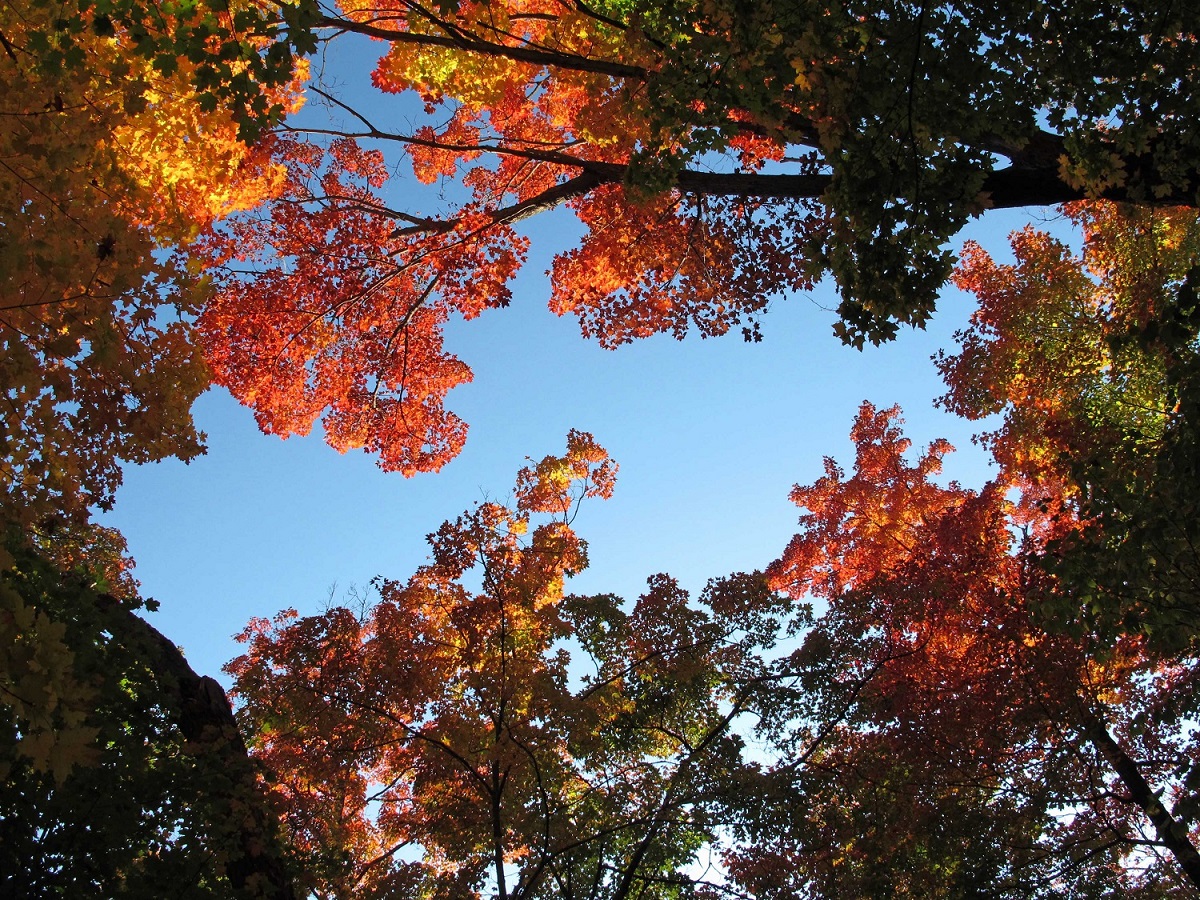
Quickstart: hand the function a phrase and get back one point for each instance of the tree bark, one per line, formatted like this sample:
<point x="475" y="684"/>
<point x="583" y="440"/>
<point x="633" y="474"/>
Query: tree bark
<point x="205" y="718"/>
<point x="1173" y="835"/>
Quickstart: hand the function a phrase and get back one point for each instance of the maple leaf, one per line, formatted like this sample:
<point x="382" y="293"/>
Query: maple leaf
<point x="717" y="155"/>
<point x="452" y="719"/>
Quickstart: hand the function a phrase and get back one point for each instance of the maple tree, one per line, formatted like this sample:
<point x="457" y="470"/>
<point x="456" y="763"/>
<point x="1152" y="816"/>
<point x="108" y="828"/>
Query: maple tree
<point x="507" y="738"/>
<point x="112" y="163"/>
<point x="976" y="751"/>
<point x="1018" y="662"/>
<point x="123" y="771"/>
<point x="717" y="153"/>
<point x="1092" y="362"/>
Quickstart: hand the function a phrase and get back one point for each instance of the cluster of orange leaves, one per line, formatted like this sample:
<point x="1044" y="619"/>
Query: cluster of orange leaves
<point x="416" y="705"/>
<point x="334" y="300"/>
<point x="343" y="315"/>
<point x="109" y="167"/>
<point x="933" y="591"/>
<point x="931" y="630"/>
<point x="935" y="571"/>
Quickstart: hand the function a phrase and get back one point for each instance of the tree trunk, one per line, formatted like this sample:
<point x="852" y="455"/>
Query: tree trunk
<point x="1173" y="835"/>
<point x="254" y="865"/>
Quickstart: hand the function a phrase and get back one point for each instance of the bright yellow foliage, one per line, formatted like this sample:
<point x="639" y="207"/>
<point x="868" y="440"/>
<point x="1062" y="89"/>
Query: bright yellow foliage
<point x="107" y="168"/>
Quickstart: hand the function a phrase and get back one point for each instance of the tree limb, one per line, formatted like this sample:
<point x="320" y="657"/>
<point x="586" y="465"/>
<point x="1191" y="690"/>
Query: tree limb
<point x="206" y="720"/>
<point x="462" y="41"/>
<point x="1172" y="834"/>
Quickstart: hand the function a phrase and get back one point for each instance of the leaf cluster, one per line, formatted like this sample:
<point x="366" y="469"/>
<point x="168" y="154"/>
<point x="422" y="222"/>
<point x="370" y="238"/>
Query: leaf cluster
<point x="519" y="740"/>
<point x="236" y="54"/>
<point x="111" y="169"/>
<point x="1092" y="362"/>
<point x="106" y="791"/>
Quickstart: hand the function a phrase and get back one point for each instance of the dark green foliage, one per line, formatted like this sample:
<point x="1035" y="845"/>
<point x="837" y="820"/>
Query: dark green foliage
<point x="139" y="796"/>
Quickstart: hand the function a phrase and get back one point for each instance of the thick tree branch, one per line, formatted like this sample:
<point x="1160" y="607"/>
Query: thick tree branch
<point x="1172" y="834"/>
<point x="1007" y="188"/>
<point x="462" y="41"/>
<point x="206" y="721"/>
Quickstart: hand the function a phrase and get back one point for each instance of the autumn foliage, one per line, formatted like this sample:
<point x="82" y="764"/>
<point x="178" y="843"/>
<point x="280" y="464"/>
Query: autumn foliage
<point x="352" y="333"/>
<point x="122" y="768"/>
<point x="718" y="155"/>
<point x="503" y="738"/>
<point x="1012" y="666"/>
<point x="951" y="721"/>
<point x="935" y="691"/>
<point x="1092" y="363"/>
<point x="957" y="702"/>
<point x="112" y="167"/>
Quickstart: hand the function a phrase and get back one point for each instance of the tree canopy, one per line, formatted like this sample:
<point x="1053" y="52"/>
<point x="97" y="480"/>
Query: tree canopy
<point x="1092" y="362"/>
<point x="935" y="690"/>
<point x="974" y="712"/>
<point x="112" y="165"/>
<point x="718" y="154"/>
<point x="123" y="771"/>
<point x="519" y="740"/>
<point x="1030" y="762"/>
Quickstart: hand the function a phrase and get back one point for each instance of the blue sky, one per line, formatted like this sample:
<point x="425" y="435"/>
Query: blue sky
<point x="710" y="436"/>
